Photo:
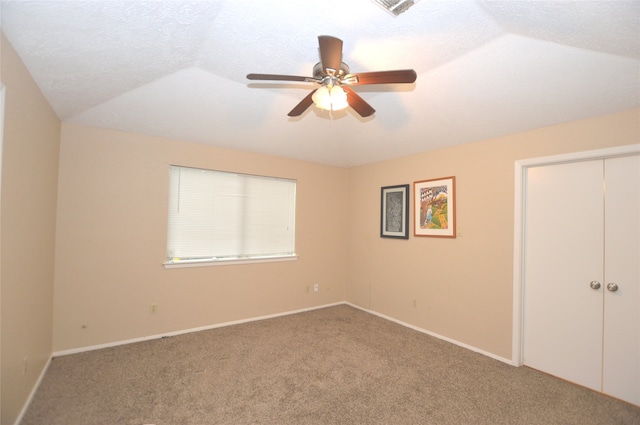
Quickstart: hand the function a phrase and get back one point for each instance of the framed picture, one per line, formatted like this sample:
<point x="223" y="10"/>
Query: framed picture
<point x="435" y="207"/>
<point x="394" y="212"/>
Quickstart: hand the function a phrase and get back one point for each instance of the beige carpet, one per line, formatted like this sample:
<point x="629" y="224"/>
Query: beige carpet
<point x="337" y="365"/>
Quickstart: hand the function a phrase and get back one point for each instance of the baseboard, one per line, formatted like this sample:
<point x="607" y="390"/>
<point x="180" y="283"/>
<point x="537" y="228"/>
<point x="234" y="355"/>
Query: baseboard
<point x="271" y="316"/>
<point x="33" y="391"/>
<point x="435" y="335"/>
<point x="186" y="331"/>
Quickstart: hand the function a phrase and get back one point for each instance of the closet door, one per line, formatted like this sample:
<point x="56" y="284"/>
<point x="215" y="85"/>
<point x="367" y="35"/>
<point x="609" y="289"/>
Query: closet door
<point x="563" y="255"/>
<point x="621" y="363"/>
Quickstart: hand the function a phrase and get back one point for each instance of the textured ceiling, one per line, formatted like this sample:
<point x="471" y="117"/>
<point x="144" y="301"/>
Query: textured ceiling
<point x="177" y="69"/>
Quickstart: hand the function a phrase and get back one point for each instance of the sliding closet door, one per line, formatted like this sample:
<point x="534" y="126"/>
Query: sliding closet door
<point x="563" y="255"/>
<point x="621" y="365"/>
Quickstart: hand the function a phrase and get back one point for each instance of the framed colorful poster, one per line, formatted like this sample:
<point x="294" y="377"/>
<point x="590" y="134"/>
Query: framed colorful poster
<point x="435" y="207"/>
<point x="394" y="212"/>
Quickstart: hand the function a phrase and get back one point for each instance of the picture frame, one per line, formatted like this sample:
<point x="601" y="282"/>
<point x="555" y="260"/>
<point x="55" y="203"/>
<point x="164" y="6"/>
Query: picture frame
<point x="435" y="207"/>
<point x="394" y="211"/>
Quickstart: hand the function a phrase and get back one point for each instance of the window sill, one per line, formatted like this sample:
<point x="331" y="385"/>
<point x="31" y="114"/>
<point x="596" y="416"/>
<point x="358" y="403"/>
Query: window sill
<point x="227" y="262"/>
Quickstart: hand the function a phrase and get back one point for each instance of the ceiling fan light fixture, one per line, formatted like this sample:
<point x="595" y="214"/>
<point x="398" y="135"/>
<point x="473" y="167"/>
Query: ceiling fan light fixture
<point x="332" y="98"/>
<point x="335" y="84"/>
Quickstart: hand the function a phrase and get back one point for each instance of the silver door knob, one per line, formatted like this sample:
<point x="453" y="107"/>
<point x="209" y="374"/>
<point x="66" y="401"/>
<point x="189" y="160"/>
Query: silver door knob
<point x="612" y="287"/>
<point x="595" y="284"/>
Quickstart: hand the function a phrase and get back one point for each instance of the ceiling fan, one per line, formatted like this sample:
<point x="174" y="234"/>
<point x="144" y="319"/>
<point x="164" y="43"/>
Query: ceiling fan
<point x="335" y="80"/>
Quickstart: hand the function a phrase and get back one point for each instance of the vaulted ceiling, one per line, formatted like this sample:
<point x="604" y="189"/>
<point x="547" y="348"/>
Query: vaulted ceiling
<point x="178" y="69"/>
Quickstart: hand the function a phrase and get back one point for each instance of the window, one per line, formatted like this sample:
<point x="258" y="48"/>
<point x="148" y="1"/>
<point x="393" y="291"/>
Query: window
<point x="216" y="217"/>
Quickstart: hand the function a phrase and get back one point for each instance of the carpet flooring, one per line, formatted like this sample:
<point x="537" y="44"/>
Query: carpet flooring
<point x="336" y="365"/>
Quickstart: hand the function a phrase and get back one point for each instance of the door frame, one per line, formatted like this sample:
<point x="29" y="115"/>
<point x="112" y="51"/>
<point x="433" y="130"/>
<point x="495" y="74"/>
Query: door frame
<point x="520" y="199"/>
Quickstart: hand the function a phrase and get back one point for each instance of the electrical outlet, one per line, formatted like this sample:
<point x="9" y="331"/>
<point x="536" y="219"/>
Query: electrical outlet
<point x="316" y="287"/>
<point x="153" y="309"/>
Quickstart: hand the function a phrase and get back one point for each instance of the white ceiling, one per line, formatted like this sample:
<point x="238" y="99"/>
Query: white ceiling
<point x="178" y="69"/>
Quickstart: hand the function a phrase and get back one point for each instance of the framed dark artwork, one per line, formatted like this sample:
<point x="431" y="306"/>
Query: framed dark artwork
<point x="394" y="212"/>
<point x="435" y="207"/>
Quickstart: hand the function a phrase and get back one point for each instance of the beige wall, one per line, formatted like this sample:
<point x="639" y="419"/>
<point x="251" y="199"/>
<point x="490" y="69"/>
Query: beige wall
<point x="29" y="186"/>
<point x="462" y="287"/>
<point x="111" y="240"/>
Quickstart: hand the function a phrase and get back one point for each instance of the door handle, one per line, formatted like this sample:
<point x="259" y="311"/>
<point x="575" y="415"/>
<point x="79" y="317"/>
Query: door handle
<point x="612" y="287"/>
<point x="594" y="284"/>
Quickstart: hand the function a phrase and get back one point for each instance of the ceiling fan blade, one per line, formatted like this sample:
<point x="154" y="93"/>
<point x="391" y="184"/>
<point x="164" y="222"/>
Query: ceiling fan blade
<point x="358" y="103"/>
<point x="330" y="53"/>
<point x="302" y="106"/>
<point x="274" y="77"/>
<point x="383" y="77"/>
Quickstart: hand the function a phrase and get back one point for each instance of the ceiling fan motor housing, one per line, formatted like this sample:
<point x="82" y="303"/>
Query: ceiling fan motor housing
<point x="318" y="71"/>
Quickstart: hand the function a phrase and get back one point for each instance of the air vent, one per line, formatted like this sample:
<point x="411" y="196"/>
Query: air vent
<point x="395" y="7"/>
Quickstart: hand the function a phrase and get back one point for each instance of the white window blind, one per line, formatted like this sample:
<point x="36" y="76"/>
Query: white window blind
<point x="215" y="215"/>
